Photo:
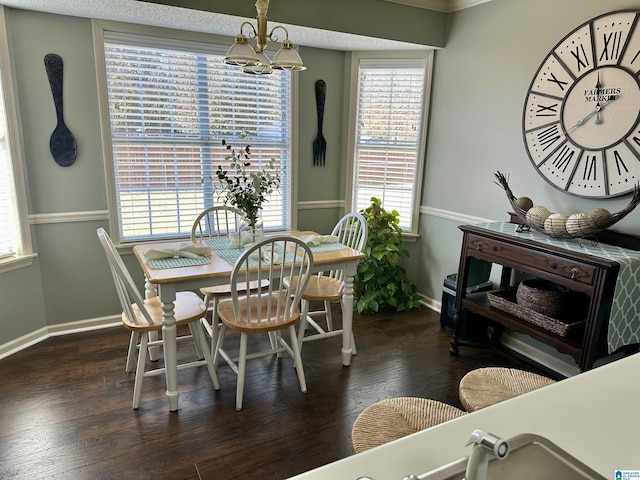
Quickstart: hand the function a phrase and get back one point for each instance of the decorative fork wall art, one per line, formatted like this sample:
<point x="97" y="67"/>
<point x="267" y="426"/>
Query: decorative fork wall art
<point x="320" y="144"/>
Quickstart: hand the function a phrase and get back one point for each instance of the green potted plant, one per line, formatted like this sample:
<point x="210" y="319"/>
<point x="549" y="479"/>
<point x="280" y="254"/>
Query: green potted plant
<point x="244" y="188"/>
<point x="381" y="283"/>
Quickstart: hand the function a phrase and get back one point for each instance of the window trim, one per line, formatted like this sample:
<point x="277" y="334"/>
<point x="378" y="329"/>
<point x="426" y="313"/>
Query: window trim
<point x="356" y="57"/>
<point x="166" y="35"/>
<point x="24" y="256"/>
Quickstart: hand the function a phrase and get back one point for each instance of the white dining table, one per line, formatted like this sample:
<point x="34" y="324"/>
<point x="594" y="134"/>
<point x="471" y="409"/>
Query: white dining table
<point x="165" y="282"/>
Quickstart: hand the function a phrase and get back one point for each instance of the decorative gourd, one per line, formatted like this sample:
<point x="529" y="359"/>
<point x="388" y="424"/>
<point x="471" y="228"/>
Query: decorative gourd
<point x="556" y="224"/>
<point x="577" y="225"/>
<point x="537" y="215"/>
<point x="599" y="216"/>
<point x="525" y="203"/>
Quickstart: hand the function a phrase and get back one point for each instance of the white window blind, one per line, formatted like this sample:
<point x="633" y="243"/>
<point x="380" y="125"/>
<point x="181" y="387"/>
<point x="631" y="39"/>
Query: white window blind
<point x="171" y="103"/>
<point x="9" y="222"/>
<point x="388" y="147"/>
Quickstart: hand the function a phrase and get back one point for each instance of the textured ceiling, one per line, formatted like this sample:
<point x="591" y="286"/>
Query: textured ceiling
<point x="186" y="19"/>
<point x="446" y="6"/>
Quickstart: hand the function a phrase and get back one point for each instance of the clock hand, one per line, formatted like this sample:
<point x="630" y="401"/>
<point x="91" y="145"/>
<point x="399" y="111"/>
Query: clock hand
<point x="585" y="118"/>
<point x="598" y="86"/>
<point x="595" y="111"/>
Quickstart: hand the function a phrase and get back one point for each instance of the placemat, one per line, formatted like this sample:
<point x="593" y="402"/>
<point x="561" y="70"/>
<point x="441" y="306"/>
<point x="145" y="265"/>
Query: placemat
<point x="328" y="247"/>
<point x="175" y="262"/>
<point x="624" y="321"/>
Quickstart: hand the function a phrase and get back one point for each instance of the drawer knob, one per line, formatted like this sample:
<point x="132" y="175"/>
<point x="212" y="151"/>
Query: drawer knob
<point x="574" y="273"/>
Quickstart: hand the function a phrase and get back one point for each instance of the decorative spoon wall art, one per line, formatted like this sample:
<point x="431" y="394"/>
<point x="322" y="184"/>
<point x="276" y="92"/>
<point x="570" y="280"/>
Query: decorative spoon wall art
<point x="62" y="143"/>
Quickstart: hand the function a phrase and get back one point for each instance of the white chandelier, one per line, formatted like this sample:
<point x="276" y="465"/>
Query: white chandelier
<point x="253" y="59"/>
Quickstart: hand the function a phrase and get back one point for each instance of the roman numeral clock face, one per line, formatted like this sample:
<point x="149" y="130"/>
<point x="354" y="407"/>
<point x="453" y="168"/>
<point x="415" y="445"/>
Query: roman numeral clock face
<point x="582" y="112"/>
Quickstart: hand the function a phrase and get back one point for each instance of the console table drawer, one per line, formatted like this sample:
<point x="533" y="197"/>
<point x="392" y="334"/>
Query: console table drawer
<point x="520" y="255"/>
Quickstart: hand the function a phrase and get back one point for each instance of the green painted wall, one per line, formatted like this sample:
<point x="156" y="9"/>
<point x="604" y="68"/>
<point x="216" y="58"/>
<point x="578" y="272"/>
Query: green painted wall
<point x="372" y="18"/>
<point x="53" y="188"/>
<point x="22" y="299"/>
<point x="321" y="183"/>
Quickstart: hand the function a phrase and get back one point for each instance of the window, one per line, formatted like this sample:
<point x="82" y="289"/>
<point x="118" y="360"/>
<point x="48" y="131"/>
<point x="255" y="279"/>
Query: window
<point x="170" y="104"/>
<point x="15" y="240"/>
<point x="388" y="134"/>
<point x="9" y="233"/>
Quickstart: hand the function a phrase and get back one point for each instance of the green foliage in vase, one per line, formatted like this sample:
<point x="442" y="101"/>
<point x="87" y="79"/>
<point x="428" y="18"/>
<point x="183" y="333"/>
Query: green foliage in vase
<point x="381" y="284"/>
<point x="243" y="187"/>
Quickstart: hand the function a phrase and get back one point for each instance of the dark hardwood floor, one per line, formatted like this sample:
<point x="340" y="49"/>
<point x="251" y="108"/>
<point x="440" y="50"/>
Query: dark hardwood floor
<point x="65" y="404"/>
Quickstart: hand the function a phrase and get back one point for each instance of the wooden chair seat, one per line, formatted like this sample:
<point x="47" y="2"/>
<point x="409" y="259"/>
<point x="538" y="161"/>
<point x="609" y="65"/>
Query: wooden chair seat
<point x="267" y="320"/>
<point x="323" y="288"/>
<point x="189" y="307"/>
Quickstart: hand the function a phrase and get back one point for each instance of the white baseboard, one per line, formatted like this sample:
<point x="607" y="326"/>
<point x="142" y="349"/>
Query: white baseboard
<point x="430" y="303"/>
<point x="41" y="334"/>
<point x="23" y="342"/>
<point x="85" y="325"/>
<point x="543" y="358"/>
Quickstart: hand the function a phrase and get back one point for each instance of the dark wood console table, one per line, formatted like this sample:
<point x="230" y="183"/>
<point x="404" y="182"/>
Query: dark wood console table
<point x="592" y="276"/>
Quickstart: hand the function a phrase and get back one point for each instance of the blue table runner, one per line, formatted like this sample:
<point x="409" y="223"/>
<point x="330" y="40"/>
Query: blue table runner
<point x="222" y="248"/>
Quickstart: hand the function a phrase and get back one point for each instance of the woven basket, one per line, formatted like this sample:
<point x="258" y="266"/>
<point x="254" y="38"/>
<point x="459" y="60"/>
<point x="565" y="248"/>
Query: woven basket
<point x="505" y="300"/>
<point x="543" y="297"/>
<point x="581" y="229"/>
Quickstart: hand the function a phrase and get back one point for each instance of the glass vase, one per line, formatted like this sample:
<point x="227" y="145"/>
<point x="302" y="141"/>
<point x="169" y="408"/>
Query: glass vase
<point x="251" y="233"/>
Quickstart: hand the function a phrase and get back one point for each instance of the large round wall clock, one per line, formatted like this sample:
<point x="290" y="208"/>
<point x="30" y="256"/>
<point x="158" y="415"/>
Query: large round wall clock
<point x="581" y="119"/>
